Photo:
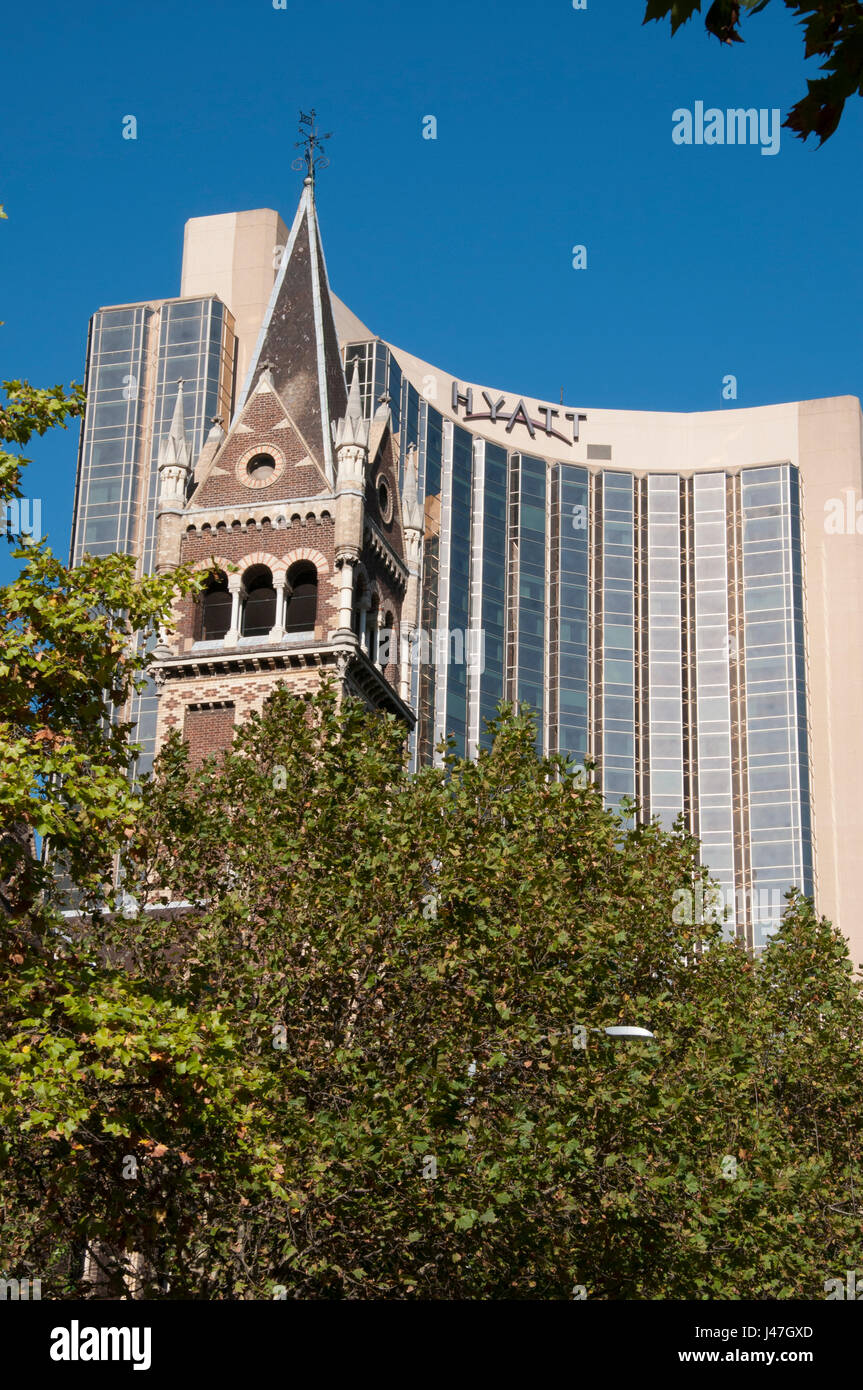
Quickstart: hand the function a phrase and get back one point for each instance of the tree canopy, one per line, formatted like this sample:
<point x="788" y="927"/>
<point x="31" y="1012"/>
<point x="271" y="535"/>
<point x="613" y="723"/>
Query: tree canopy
<point x="82" y="1074"/>
<point x="832" y="31"/>
<point x="297" y="1023"/>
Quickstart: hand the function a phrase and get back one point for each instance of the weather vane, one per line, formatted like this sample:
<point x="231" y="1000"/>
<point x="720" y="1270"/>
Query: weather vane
<point x="310" y="143"/>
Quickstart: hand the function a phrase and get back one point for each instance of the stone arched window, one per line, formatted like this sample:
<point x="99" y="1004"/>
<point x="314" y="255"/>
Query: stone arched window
<point x="302" y="598"/>
<point x="361" y="604"/>
<point x="259" y="608"/>
<point x="386" y="644"/>
<point x="213" y="615"/>
<point x="372" y="628"/>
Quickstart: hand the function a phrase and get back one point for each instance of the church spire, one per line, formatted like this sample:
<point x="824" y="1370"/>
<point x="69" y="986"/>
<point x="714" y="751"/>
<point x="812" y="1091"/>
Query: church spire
<point x="298" y="340"/>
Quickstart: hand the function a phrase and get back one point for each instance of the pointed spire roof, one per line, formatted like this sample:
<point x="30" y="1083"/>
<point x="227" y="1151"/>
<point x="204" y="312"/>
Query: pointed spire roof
<point x="412" y="510"/>
<point x="351" y="428"/>
<point x="298" y="341"/>
<point x="174" y="451"/>
<point x="355" y="400"/>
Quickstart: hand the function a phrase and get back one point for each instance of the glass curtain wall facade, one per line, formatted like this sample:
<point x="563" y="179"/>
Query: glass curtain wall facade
<point x="664" y="648"/>
<point x="570" y="613"/>
<point x="654" y="622"/>
<point x="717" y="780"/>
<point x="617" y="666"/>
<point x="448" y="638"/>
<point x="380" y="377"/>
<point x="527" y="640"/>
<point x="779" y="821"/>
<point x="136" y="356"/>
<point x="113" y="434"/>
<point x="488" y="588"/>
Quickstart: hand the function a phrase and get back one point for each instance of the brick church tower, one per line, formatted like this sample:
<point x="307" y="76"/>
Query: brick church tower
<point x="298" y="504"/>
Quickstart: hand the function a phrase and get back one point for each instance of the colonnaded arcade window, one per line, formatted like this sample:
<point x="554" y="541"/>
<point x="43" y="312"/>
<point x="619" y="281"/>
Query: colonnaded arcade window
<point x="302" y="598"/>
<point x="360" y="605"/>
<point x="372" y="629"/>
<point x="259" y="608"/>
<point x="213" y="616"/>
<point x="387" y="652"/>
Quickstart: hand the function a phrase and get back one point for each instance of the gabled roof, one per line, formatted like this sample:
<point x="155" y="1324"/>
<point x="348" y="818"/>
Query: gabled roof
<point x="298" y="339"/>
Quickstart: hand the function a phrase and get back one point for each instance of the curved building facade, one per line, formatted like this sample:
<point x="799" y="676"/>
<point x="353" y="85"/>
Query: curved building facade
<point x="669" y="595"/>
<point x="679" y="597"/>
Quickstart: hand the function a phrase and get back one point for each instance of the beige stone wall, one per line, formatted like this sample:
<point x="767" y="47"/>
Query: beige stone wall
<point x="232" y="254"/>
<point x="831" y="467"/>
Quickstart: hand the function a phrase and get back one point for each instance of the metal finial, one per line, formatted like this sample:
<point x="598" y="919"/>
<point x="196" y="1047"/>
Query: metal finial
<point x="310" y="142"/>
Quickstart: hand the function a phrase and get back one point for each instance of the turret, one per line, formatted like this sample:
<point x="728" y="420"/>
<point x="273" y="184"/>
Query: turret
<point x="351" y="440"/>
<point x="412" y="523"/>
<point x="175" y="470"/>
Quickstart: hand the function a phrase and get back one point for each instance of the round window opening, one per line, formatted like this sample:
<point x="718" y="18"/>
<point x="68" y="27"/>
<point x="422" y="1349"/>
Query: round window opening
<point x="261" y="468"/>
<point x="384" y="499"/>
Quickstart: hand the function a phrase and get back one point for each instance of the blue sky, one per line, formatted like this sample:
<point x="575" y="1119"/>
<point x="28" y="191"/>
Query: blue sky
<point x="554" y="129"/>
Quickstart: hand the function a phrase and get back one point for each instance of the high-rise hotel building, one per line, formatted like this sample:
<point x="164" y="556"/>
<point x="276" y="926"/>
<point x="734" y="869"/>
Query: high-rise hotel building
<point x="678" y="596"/>
<point x="136" y="354"/>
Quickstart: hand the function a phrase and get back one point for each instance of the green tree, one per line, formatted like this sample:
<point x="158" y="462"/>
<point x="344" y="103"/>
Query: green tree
<point x="122" y="1109"/>
<point x="412" y="959"/>
<point x="68" y="663"/>
<point x="351" y="1066"/>
<point x="832" y="30"/>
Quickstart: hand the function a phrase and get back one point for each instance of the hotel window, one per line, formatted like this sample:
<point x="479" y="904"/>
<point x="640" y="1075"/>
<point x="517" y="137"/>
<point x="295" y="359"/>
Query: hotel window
<point x="665" y="647"/>
<point x="776" y="734"/>
<point x="424" y="682"/>
<point x="714" y="773"/>
<point x="568" y="715"/>
<point x="453" y="610"/>
<point x="618" y="633"/>
<point x="492" y="614"/>
<point x="108" y="484"/>
<point x="529" y="517"/>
